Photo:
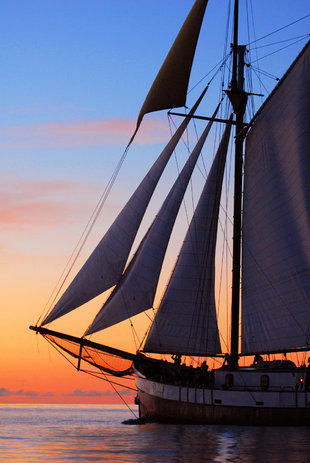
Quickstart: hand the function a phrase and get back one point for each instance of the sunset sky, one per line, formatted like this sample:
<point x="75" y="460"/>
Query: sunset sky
<point x="74" y="74"/>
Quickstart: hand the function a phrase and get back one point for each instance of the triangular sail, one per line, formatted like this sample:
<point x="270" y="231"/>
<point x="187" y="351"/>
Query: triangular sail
<point x="169" y="88"/>
<point x="276" y="224"/>
<point x="186" y="319"/>
<point x="136" y="291"/>
<point x="105" y="265"/>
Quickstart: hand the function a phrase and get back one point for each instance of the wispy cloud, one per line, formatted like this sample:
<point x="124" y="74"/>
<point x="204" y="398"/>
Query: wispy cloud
<point x="48" y="394"/>
<point x="6" y="392"/>
<point x="81" y="133"/>
<point x="92" y="393"/>
<point x="29" y="203"/>
<point x="127" y="392"/>
<point x="80" y="393"/>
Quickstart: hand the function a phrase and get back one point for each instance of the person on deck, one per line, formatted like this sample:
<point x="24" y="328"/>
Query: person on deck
<point x="258" y="359"/>
<point x="177" y="359"/>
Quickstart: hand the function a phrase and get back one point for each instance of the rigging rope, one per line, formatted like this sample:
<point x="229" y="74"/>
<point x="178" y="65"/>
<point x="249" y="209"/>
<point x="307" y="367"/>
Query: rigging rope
<point x="280" y="49"/>
<point x="280" y="29"/>
<point x="105" y="376"/>
<point x="281" y="41"/>
<point x="112" y="383"/>
<point x="81" y="242"/>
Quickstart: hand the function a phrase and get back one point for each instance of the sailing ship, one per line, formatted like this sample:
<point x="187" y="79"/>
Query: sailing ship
<point x="270" y="260"/>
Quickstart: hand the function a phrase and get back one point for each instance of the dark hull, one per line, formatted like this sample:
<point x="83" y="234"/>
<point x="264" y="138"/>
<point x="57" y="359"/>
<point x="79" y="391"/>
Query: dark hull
<point x="161" y="410"/>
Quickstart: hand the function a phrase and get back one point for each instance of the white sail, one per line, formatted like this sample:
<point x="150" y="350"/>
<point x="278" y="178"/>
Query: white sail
<point x="167" y="91"/>
<point x="105" y="265"/>
<point x="136" y="291"/>
<point x="276" y="224"/>
<point x="186" y="319"/>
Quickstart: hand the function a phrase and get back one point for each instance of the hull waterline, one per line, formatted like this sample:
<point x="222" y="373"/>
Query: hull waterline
<point x="169" y="403"/>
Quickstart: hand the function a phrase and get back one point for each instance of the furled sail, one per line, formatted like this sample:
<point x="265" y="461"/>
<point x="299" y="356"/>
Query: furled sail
<point x="136" y="291"/>
<point x="169" y="88"/>
<point x="276" y="224"/>
<point x="186" y="319"/>
<point x="105" y="265"/>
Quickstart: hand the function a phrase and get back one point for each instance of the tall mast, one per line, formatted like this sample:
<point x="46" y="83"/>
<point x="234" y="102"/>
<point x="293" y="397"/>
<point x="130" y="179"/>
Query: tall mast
<point x="238" y="98"/>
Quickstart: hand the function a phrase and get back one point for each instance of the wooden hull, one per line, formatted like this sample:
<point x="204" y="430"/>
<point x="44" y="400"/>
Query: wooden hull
<point x="175" y="404"/>
<point x="153" y="408"/>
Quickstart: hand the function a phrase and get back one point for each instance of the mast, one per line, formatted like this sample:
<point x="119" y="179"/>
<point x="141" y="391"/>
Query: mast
<point x="238" y="98"/>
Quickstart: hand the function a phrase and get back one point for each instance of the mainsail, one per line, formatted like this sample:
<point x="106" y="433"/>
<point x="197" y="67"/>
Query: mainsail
<point x="136" y="290"/>
<point x="105" y="265"/>
<point x="276" y="224"/>
<point x="186" y="319"/>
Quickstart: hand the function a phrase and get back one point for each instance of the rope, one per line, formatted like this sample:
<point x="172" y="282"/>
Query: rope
<point x="280" y="49"/>
<point x="105" y="377"/>
<point x="278" y="30"/>
<point x="281" y="41"/>
<point x="81" y="243"/>
<point x="114" y="388"/>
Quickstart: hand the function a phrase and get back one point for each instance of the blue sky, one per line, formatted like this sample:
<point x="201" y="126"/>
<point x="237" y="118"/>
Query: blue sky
<point x="68" y="61"/>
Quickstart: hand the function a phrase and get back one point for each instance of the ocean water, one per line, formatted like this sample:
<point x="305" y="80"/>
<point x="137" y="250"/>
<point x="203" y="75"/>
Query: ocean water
<point x="97" y="433"/>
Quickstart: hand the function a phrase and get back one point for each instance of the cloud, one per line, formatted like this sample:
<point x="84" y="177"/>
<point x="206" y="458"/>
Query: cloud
<point x="32" y="214"/>
<point x="29" y="393"/>
<point x="82" y="133"/>
<point x="106" y="393"/>
<point x="80" y="393"/>
<point x="48" y="394"/>
<point x="127" y="392"/>
<point x="6" y="392"/>
<point x="31" y="203"/>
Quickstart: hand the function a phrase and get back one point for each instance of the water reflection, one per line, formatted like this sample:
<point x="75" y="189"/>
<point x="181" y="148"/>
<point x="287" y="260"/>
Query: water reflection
<point x="93" y="434"/>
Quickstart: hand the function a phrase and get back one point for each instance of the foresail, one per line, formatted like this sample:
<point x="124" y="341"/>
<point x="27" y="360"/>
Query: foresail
<point x="136" y="291"/>
<point x="186" y="320"/>
<point x="169" y="89"/>
<point x="276" y="224"/>
<point x="105" y="265"/>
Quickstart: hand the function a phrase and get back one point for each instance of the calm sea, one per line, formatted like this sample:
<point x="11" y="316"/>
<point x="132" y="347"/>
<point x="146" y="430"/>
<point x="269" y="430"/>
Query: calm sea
<point x="93" y="433"/>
